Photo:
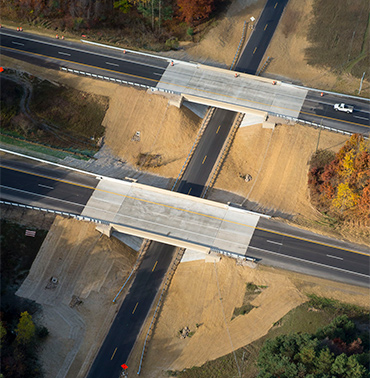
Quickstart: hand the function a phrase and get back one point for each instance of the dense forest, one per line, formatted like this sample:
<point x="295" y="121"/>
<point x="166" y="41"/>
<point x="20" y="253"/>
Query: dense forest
<point x="340" y="183"/>
<point x="162" y="20"/>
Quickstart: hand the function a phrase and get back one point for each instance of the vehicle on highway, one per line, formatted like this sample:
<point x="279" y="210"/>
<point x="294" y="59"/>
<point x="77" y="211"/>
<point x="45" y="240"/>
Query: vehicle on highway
<point x="343" y="108"/>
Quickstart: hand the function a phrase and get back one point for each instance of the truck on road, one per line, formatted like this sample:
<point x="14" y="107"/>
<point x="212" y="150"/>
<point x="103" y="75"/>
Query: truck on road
<point x="343" y="108"/>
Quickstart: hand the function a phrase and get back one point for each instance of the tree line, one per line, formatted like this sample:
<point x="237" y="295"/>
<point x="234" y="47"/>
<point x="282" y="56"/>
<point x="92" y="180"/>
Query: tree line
<point x="340" y="183"/>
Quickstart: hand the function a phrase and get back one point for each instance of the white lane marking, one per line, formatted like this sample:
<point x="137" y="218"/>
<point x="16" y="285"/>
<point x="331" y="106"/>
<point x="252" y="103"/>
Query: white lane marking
<point x="86" y="51"/>
<point x="335" y="257"/>
<point x="112" y="64"/>
<point x="159" y="74"/>
<point x="17" y="43"/>
<point x="310" y="262"/>
<point x="45" y="186"/>
<point x="274" y="242"/>
<point x="361" y="117"/>
<point x="63" y="53"/>
<point x="40" y="195"/>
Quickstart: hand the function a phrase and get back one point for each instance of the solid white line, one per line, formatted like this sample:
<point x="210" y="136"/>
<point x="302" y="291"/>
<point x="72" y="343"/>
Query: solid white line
<point x="335" y="257"/>
<point x="112" y="64"/>
<point x="41" y="195"/>
<point x="310" y="262"/>
<point x="274" y="242"/>
<point x="17" y="43"/>
<point x="63" y="53"/>
<point x="159" y="74"/>
<point x="45" y="186"/>
<point x="360" y="117"/>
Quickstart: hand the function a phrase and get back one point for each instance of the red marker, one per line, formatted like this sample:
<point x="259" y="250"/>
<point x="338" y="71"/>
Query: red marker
<point x="124" y="366"/>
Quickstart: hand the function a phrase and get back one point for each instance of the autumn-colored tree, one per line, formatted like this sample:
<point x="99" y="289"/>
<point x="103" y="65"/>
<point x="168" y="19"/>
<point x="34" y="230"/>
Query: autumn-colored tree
<point x="26" y="329"/>
<point x="340" y="185"/>
<point x="193" y="11"/>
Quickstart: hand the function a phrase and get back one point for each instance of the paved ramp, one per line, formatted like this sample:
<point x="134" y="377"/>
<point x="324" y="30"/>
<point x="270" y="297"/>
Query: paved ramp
<point x="171" y="217"/>
<point x="221" y="86"/>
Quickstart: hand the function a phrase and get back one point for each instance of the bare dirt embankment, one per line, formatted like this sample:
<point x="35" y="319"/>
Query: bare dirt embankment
<point x="278" y="162"/>
<point x="287" y="50"/>
<point x="166" y="132"/>
<point x="77" y="309"/>
<point x="202" y="296"/>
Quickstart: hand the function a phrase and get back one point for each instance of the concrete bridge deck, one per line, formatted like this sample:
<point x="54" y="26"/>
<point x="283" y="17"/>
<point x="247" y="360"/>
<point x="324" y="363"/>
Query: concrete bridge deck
<point x="220" y="88"/>
<point x="171" y="217"/>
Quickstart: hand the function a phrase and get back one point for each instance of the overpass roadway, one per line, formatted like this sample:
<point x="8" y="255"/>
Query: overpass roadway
<point x="198" y="83"/>
<point x="177" y="219"/>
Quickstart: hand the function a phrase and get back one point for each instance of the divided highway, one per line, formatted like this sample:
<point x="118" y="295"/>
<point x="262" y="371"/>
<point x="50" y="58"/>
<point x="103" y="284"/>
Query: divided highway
<point x="130" y="67"/>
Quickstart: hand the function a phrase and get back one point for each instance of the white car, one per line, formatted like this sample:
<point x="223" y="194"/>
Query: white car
<point x="343" y="108"/>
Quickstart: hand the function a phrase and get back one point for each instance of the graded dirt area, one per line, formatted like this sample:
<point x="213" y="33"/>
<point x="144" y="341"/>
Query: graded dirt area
<point x="202" y="296"/>
<point x="77" y="307"/>
<point x="277" y="161"/>
<point x="166" y="132"/>
<point x="287" y="50"/>
<point x="221" y="42"/>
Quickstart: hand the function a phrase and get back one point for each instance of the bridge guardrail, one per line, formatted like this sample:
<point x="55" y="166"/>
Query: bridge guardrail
<point x="57" y="212"/>
<point x="114" y="80"/>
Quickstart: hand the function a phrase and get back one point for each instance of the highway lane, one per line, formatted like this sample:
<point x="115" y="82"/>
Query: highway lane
<point x="258" y="42"/>
<point x="126" y="326"/>
<point x="148" y="70"/>
<point x="321" y="110"/>
<point x="206" y="153"/>
<point x="142" y="70"/>
<point x="44" y="185"/>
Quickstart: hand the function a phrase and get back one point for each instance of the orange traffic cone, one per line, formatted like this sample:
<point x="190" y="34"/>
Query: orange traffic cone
<point x="322" y="94"/>
<point x="62" y="36"/>
<point x="17" y="29"/>
<point x="57" y="36"/>
<point x="124" y="51"/>
<point x="171" y="62"/>
<point x="21" y="29"/>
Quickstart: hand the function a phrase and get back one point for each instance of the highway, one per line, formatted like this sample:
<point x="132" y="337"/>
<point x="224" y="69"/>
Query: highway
<point x="65" y="188"/>
<point x="289" y="249"/>
<point x="321" y="111"/>
<point x="135" y="307"/>
<point x="254" y="51"/>
<point x="148" y="70"/>
<point x="206" y="153"/>
<point x="130" y="67"/>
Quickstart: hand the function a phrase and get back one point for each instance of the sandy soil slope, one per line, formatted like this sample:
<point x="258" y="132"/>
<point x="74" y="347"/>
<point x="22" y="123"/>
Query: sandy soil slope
<point x="287" y="51"/>
<point x="205" y="294"/>
<point x="77" y="309"/>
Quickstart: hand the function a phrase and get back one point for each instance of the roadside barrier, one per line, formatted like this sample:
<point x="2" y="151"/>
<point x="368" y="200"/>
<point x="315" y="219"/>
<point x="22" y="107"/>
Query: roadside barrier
<point x="239" y="46"/>
<point x="118" y="81"/>
<point x="222" y="155"/>
<point x="157" y="308"/>
<point x="197" y="139"/>
<point x="57" y="212"/>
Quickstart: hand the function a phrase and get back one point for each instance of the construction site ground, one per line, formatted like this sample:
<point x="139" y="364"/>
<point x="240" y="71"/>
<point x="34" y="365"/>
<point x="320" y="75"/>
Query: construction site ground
<point x="93" y="268"/>
<point x="202" y="297"/>
<point x="88" y="270"/>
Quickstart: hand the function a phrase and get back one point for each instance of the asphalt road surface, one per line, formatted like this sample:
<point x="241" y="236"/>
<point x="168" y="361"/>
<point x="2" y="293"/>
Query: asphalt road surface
<point x="320" y="109"/>
<point x="126" y="326"/>
<point x="130" y="67"/>
<point x="206" y="153"/>
<point x="302" y="251"/>
<point x="33" y="183"/>
<point x="256" y="47"/>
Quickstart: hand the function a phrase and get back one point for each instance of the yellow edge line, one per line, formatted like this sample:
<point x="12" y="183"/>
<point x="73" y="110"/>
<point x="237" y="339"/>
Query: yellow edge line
<point x="187" y="211"/>
<point x="182" y="86"/>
